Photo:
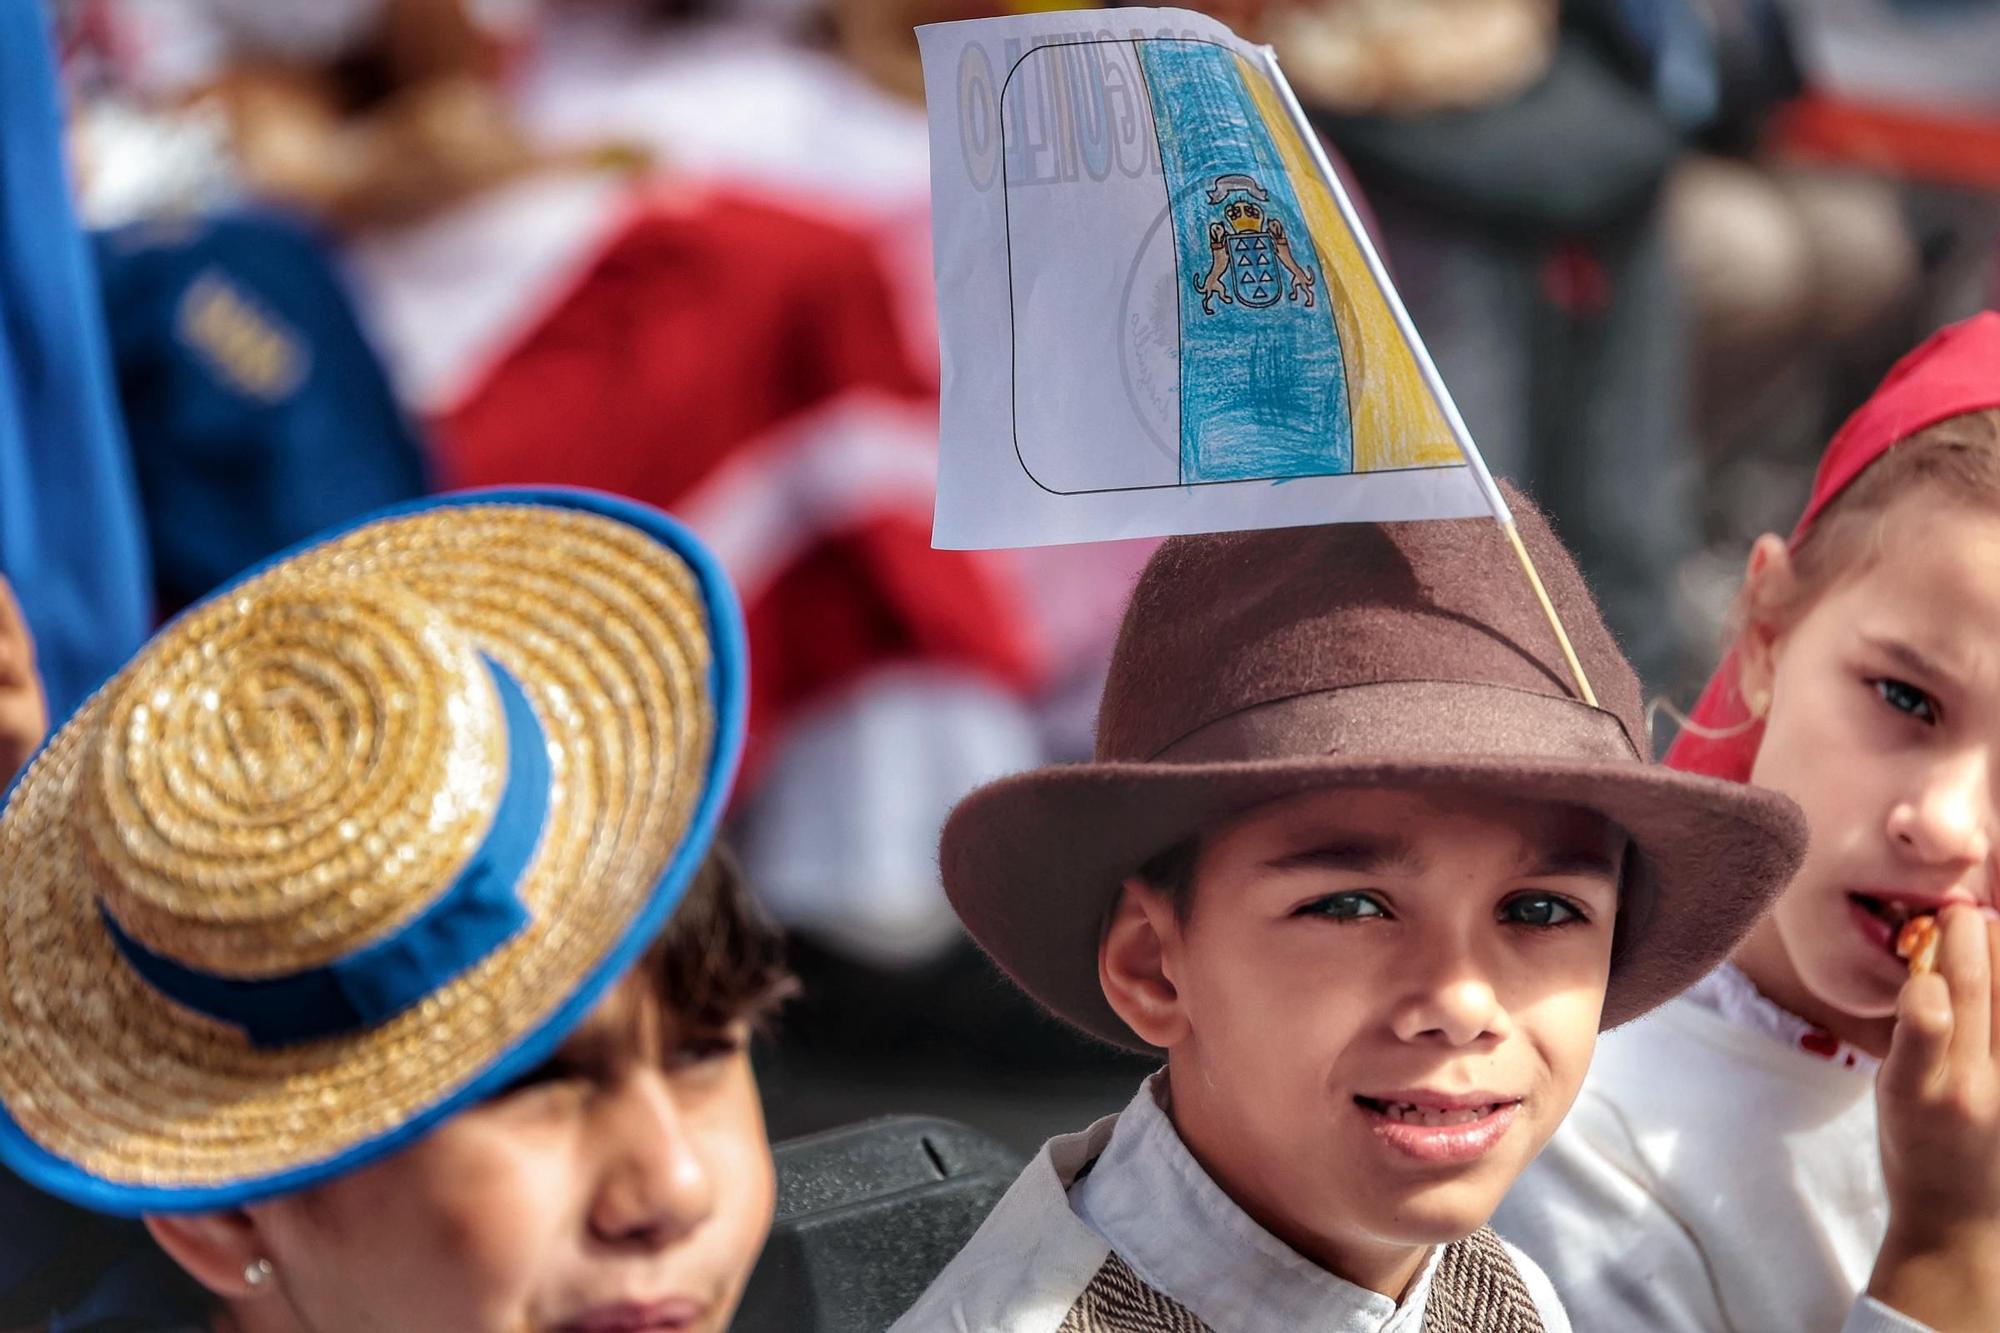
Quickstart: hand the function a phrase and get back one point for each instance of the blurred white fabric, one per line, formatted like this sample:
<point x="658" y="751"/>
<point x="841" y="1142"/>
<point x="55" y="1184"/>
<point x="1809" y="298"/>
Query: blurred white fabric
<point x="134" y="162"/>
<point x="445" y="298"/>
<point x="1940" y="56"/>
<point x="901" y="748"/>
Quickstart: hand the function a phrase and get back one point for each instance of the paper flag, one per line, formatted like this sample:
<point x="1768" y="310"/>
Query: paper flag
<point x="1158" y="313"/>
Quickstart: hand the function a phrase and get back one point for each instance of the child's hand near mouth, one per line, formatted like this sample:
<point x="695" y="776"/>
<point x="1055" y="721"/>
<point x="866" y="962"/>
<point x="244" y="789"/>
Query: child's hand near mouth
<point x="1939" y="1098"/>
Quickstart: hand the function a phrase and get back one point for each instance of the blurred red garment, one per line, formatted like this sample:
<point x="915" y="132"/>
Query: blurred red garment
<point x="741" y="366"/>
<point x="743" y="107"/>
<point x="840" y="835"/>
<point x="807" y="127"/>
<point x="1951" y="146"/>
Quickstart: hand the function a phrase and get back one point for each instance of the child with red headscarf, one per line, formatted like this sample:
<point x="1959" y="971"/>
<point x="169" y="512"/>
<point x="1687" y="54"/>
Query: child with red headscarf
<point x="1811" y="1135"/>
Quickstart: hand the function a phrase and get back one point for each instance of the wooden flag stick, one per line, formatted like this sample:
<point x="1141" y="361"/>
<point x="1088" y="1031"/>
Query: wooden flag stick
<point x="1549" y="610"/>
<point x="1434" y="381"/>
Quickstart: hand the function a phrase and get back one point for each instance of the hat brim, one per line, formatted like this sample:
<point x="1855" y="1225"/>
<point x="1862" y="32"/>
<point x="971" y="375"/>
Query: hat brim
<point x="125" y="1103"/>
<point x="1033" y="863"/>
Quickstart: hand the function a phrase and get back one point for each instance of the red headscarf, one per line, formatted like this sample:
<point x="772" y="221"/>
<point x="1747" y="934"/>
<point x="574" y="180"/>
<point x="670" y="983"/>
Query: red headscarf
<point x="1955" y="371"/>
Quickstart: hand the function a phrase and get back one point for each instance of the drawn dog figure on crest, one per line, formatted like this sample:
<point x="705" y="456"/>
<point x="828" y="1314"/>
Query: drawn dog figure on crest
<point x="1247" y="249"/>
<point x="1216" y="284"/>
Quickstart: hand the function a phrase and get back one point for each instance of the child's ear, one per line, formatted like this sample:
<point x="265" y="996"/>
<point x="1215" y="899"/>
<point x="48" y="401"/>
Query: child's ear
<point x="1132" y="965"/>
<point x="1768" y="583"/>
<point x="218" y="1250"/>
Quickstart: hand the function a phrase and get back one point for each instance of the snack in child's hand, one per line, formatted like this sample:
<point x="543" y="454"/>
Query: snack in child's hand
<point x="1918" y="941"/>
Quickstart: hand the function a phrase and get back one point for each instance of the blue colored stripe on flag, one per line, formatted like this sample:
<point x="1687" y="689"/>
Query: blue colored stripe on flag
<point x="1263" y="392"/>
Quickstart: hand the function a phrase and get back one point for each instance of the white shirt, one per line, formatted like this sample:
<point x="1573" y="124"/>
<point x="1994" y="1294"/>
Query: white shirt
<point x="1147" y="1198"/>
<point x="1713" y="1177"/>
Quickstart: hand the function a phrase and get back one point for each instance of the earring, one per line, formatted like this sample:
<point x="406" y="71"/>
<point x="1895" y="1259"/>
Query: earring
<point x="1759" y="703"/>
<point x="258" y="1272"/>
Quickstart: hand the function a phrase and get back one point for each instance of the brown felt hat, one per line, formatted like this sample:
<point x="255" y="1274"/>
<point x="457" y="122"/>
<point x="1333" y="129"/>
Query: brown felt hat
<point x="1252" y="666"/>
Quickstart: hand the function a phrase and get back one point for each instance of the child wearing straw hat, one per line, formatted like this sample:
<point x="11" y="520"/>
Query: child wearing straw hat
<point x="1813" y="1128"/>
<point x="1356" y="859"/>
<point x="341" y="942"/>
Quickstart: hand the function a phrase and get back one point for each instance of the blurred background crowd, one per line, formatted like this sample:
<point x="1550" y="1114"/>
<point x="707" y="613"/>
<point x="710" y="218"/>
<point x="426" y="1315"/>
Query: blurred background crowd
<point x="347" y="251"/>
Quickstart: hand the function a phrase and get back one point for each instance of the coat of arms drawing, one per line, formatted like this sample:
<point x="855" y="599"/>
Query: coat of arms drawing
<point x="1250" y="254"/>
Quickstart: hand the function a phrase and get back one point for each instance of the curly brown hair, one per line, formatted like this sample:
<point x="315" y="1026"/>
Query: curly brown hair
<point x="720" y="960"/>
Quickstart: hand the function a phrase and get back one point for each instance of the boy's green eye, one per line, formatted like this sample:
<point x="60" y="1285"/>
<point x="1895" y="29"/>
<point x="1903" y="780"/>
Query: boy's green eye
<point x="1345" y="906"/>
<point x="1539" y="909"/>
<point x="1906" y="698"/>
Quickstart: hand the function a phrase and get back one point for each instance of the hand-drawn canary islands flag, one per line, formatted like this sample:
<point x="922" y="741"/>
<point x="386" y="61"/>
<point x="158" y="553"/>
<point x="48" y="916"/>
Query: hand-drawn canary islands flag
<point x="1157" y="311"/>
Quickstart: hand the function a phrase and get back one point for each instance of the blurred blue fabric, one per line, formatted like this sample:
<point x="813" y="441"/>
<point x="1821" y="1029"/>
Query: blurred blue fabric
<point x="70" y="539"/>
<point x="258" y="412"/>
<point x="63" y="1270"/>
<point x="69" y="516"/>
<point x="1685" y="78"/>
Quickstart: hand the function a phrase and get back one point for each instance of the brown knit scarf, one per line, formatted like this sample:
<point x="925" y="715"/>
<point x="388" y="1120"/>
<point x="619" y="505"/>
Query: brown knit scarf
<point x="1476" y="1289"/>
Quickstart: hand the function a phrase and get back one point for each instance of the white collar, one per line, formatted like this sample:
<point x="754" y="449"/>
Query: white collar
<point x="1729" y="992"/>
<point x="1154" y="1204"/>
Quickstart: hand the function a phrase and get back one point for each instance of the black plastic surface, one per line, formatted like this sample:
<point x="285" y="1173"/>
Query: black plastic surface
<point x="867" y="1216"/>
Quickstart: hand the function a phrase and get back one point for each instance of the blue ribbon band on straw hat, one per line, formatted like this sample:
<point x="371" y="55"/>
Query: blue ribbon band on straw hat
<point x="477" y="913"/>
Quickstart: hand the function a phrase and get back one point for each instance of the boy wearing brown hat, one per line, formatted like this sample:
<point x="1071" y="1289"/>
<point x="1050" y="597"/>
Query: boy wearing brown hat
<point x="1356" y="857"/>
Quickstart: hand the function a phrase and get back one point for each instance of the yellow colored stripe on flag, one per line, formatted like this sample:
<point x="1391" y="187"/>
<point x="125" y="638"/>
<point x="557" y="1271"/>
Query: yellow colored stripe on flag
<point x="1397" y="423"/>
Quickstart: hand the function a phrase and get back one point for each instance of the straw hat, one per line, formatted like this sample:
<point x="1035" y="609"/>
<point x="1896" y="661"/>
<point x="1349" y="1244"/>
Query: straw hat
<point x="355" y="842"/>
<point x="1257" y="665"/>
